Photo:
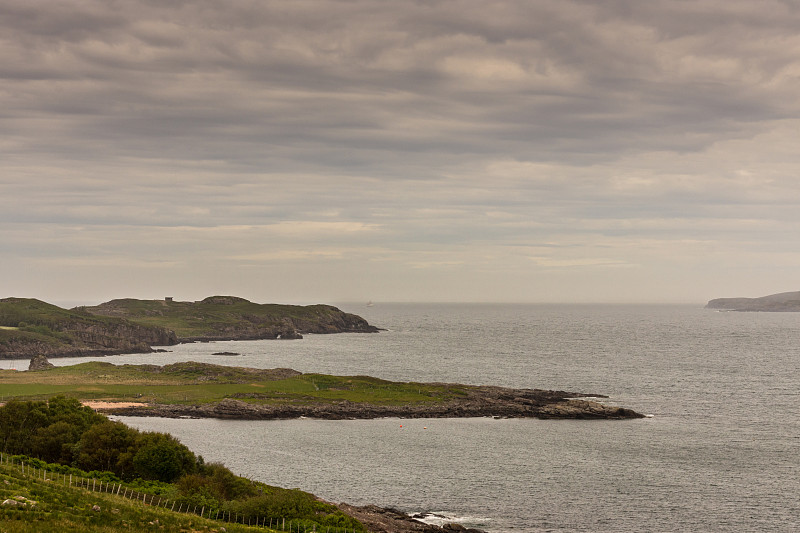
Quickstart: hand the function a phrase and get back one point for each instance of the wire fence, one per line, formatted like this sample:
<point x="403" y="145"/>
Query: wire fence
<point x="290" y="525"/>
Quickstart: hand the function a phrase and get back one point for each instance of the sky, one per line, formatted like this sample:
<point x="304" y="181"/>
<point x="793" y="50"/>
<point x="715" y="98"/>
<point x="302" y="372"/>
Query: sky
<point x="346" y="151"/>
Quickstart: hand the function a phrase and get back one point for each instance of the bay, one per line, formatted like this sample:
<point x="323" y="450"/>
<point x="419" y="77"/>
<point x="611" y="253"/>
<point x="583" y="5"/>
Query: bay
<point x="720" y="452"/>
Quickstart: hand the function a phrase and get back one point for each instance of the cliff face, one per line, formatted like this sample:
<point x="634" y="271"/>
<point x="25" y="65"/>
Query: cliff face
<point x="29" y="327"/>
<point x="782" y="302"/>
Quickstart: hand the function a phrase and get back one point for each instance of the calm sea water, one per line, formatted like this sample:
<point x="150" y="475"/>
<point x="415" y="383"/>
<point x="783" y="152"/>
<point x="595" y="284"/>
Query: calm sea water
<point x="720" y="453"/>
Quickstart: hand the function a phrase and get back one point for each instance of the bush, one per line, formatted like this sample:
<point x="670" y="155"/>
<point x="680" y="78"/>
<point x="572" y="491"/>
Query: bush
<point x="108" y="446"/>
<point x="162" y="457"/>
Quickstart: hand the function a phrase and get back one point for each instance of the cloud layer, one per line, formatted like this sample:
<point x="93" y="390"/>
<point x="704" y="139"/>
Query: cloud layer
<point x="344" y="150"/>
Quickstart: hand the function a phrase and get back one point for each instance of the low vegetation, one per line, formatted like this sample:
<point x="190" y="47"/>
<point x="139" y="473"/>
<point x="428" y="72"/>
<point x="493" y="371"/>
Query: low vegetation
<point x="31" y="327"/>
<point x="230" y="316"/>
<point x="60" y="438"/>
<point x="201" y="383"/>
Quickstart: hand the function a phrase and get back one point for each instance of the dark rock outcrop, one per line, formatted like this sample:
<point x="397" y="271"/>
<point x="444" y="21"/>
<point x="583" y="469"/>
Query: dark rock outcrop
<point x="388" y="520"/>
<point x="32" y="327"/>
<point x="40" y="362"/>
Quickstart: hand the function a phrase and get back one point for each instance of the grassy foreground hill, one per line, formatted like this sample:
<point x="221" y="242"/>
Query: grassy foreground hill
<point x="45" y="505"/>
<point x="64" y="467"/>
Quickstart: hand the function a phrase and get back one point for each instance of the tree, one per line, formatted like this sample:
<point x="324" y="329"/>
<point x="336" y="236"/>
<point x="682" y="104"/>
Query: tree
<point x="108" y="446"/>
<point x="162" y="457"/>
<point x="18" y="423"/>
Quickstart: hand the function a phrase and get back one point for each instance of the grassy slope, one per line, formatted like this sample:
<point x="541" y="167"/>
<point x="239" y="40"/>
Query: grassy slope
<point x="36" y="312"/>
<point x="27" y="321"/>
<point x="68" y="509"/>
<point x="197" y="383"/>
<point x="42" y="319"/>
<point x="207" y="317"/>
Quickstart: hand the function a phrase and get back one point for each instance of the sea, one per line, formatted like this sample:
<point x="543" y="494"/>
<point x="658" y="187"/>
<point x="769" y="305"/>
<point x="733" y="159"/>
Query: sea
<point x="718" y="451"/>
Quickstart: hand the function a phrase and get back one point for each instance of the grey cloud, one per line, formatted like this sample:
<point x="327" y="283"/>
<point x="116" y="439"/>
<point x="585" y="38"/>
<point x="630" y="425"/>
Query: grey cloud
<point x="142" y="86"/>
<point x="446" y="124"/>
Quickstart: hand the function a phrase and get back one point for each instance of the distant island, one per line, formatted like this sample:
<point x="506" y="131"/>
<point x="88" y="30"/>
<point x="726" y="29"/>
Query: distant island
<point x="30" y="327"/>
<point x="782" y="302"/>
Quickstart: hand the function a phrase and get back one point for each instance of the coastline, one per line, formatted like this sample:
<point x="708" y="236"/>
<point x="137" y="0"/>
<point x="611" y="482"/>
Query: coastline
<point x="496" y="402"/>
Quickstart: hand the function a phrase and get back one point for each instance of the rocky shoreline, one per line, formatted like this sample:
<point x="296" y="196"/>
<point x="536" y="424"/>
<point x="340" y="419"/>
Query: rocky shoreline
<point x="388" y="520"/>
<point x="480" y="401"/>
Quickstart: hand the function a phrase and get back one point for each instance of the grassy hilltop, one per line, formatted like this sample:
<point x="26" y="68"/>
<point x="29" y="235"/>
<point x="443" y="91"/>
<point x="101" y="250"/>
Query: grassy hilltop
<point x="234" y="318"/>
<point x="214" y="391"/>
<point x="192" y="383"/>
<point x="30" y="327"/>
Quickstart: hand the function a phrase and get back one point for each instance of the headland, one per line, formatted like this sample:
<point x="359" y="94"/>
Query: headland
<point x="202" y="390"/>
<point x="30" y="327"/>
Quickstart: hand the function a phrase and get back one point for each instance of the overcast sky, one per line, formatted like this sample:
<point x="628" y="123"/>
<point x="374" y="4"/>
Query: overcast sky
<point x="329" y="151"/>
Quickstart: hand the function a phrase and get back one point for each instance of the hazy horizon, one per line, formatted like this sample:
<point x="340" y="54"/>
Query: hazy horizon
<point x="353" y="305"/>
<point x="554" y="151"/>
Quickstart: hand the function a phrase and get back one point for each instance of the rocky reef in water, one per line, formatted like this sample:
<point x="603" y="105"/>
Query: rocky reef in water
<point x="388" y="520"/>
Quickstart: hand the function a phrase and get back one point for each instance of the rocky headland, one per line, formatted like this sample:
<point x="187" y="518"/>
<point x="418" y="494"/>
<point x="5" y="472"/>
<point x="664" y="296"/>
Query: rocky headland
<point x="219" y="318"/>
<point x="478" y="401"/>
<point x="30" y="327"/>
<point x="781" y="302"/>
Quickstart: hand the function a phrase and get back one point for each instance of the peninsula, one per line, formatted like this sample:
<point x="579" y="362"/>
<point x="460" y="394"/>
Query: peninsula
<point x="30" y="327"/>
<point x="202" y="390"/>
<point x="782" y="302"/>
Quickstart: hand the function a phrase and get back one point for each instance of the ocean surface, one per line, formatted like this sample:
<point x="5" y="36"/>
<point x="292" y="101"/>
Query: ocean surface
<point x="721" y="451"/>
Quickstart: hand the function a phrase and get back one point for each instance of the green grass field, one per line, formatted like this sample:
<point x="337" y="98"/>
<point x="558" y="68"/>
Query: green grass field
<point x="61" y="508"/>
<point x="200" y="383"/>
<point x="48" y="501"/>
<point x="210" y="317"/>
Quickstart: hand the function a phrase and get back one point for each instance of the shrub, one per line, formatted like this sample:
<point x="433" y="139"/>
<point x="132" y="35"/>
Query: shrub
<point x="162" y="457"/>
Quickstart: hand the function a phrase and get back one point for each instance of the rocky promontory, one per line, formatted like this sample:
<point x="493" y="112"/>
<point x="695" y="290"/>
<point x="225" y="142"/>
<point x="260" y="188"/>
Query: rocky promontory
<point x="30" y="327"/>
<point x="781" y="302"/>
<point x="476" y="401"/>
<point x="219" y="318"/>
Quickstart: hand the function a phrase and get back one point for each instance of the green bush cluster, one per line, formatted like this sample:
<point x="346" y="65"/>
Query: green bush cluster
<point x="63" y="431"/>
<point x="82" y="442"/>
<point x="215" y="487"/>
